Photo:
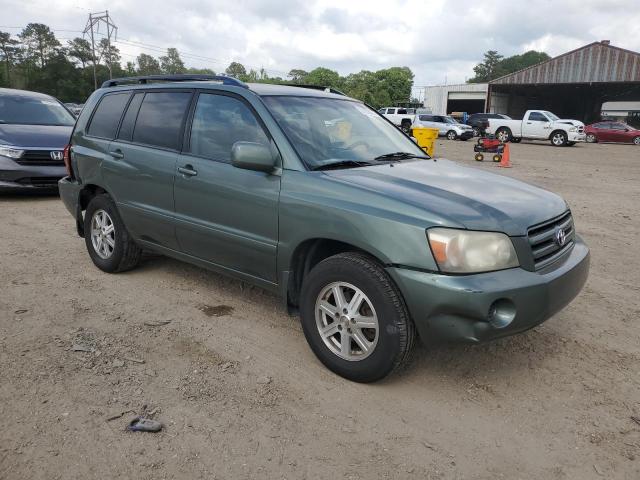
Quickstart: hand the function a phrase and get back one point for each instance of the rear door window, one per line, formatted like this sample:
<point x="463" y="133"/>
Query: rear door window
<point x="391" y="111"/>
<point x="160" y="119"/>
<point x="219" y="121"/>
<point x="402" y="111"/>
<point x="106" y="117"/>
<point x="129" y="120"/>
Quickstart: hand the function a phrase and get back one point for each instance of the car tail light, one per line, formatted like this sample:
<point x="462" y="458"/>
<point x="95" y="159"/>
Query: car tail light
<point x="66" y="155"/>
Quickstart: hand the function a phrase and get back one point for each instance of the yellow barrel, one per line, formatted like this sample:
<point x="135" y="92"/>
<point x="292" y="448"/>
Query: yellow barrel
<point x="426" y="138"/>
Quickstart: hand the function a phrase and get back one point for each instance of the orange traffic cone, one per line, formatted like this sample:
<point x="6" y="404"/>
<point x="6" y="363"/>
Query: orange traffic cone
<point x="505" y="163"/>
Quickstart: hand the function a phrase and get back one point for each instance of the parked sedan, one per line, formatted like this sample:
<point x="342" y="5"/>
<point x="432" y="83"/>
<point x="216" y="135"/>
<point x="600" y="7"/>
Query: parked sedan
<point x="616" y="132"/>
<point x="34" y="129"/>
<point x="447" y="126"/>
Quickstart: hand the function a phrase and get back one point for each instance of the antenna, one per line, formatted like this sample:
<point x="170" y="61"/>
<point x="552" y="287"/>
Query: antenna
<point x="92" y="28"/>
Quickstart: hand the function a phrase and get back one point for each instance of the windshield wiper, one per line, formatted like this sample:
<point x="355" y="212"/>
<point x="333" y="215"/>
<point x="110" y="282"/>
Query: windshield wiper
<point x="401" y="156"/>
<point x="342" y="164"/>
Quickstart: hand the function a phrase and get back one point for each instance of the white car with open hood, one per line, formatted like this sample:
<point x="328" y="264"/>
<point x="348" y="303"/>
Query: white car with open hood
<point x="538" y="125"/>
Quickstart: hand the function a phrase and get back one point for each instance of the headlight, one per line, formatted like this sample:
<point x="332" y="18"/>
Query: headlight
<point x="573" y="129"/>
<point x="11" y="152"/>
<point x="465" y="251"/>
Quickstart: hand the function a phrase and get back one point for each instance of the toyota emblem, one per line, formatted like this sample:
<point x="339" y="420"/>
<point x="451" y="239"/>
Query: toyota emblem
<point x="56" y="155"/>
<point x="561" y="237"/>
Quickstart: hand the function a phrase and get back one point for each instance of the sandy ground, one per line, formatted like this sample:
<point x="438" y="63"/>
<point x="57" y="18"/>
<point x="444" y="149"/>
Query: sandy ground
<point x="242" y="396"/>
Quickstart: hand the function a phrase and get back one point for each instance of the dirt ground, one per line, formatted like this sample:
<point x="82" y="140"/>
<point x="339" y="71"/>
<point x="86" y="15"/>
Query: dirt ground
<point x="242" y="396"/>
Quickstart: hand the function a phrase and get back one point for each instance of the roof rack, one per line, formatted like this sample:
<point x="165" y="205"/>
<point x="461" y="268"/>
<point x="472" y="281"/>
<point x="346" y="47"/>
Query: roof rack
<point x="322" y="88"/>
<point x="174" y="78"/>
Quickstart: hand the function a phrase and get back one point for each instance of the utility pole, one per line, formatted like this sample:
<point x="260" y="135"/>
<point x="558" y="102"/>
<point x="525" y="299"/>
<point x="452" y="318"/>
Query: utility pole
<point x="92" y="28"/>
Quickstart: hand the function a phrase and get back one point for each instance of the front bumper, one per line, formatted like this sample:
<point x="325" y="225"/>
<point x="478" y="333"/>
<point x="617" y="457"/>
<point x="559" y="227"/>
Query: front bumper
<point x="465" y="135"/>
<point x="576" y="137"/>
<point x="24" y="178"/>
<point x="456" y="308"/>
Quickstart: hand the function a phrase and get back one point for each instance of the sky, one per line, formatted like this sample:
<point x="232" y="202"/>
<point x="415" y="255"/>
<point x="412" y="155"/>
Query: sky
<point x="440" y="40"/>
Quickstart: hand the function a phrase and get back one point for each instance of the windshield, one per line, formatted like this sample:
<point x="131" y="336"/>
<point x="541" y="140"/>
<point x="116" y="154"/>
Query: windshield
<point x="551" y="116"/>
<point x="326" y="130"/>
<point x="23" y="110"/>
<point x="450" y="120"/>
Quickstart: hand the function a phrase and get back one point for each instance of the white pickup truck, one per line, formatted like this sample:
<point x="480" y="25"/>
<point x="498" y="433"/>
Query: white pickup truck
<point x="399" y="116"/>
<point x="538" y="125"/>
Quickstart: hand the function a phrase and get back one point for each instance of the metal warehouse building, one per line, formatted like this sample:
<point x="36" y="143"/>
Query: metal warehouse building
<point x="574" y="85"/>
<point x="467" y="97"/>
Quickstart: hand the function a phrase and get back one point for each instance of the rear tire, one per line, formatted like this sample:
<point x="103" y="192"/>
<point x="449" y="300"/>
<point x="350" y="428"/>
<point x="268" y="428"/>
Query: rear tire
<point x="109" y="244"/>
<point x="516" y="140"/>
<point x="504" y="135"/>
<point x="348" y="276"/>
<point x="591" y="138"/>
<point x="405" y="126"/>
<point x="476" y="132"/>
<point x="497" y="157"/>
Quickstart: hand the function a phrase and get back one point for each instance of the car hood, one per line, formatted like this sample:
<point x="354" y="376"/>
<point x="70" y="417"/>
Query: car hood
<point x="35" y="136"/>
<point x="575" y="123"/>
<point x="453" y="195"/>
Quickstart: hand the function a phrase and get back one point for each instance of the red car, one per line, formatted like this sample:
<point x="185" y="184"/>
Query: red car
<point x="617" y="132"/>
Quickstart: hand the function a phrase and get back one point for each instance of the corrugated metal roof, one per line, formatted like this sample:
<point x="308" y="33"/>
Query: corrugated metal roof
<point x="596" y="62"/>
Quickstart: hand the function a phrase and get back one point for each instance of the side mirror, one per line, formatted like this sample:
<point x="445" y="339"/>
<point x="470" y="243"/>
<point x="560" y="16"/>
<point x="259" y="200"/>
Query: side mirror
<point x="253" y="156"/>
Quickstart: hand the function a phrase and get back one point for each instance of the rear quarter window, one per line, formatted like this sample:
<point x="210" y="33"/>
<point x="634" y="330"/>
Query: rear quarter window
<point x="106" y="117"/>
<point x="160" y="119"/>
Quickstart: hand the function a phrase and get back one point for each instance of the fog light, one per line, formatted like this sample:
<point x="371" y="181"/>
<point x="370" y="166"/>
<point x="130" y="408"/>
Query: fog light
<point x="501" y="313"/>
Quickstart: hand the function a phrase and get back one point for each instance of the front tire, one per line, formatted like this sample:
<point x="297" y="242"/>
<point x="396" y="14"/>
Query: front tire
<point x="109" y="244"/>
<point x="405" y="126"/>
<point x="559" y="139"/>
<point x="476" y="132"/>
<point x="354" y="318"/>
<point x="451" y="135"/>
<point x="636" y="140"/>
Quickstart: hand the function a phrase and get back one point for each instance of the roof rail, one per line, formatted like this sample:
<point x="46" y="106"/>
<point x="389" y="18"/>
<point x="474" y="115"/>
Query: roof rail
<point x="320" y="87"/>
<point x="174" y="78"/>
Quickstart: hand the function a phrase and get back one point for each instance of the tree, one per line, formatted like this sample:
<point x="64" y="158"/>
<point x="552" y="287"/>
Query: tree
<point x="488" y="69"/>
<point x="236" y="70"/>
<point x="297" y="75"/>
<point x="324" y="77"/>
<point x="40" y="42"/>
<point x="80" y="50"/>
<point x="200" y="71"/>
<point x="8" y="51"/>
<point x="130" y="69"/>
<point x="147" y="65"/>
<point x="172" y="63"/>
<point x="495" y="66"/>
<point x="109" y="55"/>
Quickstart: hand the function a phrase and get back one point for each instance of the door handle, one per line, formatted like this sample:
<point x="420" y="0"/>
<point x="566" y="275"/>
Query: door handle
<point x="529" y="123"/>
<point x="187" y="171"/>
<point x="117" y="154"/>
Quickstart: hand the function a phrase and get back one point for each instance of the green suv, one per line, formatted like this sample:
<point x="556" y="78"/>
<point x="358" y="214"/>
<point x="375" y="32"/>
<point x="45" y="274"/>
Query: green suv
<point x="315" y="196"/>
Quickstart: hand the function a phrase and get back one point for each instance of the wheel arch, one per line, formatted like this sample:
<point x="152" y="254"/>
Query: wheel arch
<point x="308" y="254"/>
<point x="558" y="130"/>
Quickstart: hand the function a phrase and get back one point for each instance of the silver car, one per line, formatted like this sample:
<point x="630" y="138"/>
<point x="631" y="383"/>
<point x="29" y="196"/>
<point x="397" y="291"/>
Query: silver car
<point x="447" y="126"/>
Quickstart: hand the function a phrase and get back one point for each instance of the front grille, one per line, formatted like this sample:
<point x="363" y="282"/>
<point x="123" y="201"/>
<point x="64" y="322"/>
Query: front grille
<point x="580" y="129"/>
<point x="39" y="181"/>
<point x="39" y="157"/>
<point x="543" y="240"/>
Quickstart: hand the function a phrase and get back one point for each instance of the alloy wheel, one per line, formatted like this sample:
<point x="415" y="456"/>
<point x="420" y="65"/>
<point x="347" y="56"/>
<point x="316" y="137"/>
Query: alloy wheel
<point x="558" y="139"/>
<point x="103" y="234"/>
<point x="346" y="321"/>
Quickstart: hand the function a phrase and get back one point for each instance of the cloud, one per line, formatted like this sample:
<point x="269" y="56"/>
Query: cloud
<point x="436" y="39"/>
